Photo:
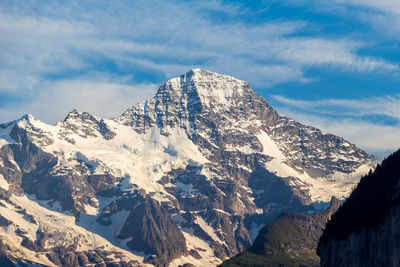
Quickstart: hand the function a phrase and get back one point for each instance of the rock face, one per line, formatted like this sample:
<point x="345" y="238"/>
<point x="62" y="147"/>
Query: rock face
<point x="364" y="231"/>
<point x="291" y="240"/>
<point x="189" y="176"/>
<point x="152" y="231"/>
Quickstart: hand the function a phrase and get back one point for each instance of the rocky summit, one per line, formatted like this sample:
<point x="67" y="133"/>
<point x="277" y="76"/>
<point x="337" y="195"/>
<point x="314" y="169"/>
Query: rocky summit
<point x="188" y="177"/>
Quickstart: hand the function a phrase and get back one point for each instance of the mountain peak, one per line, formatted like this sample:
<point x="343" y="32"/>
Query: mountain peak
<point x="210" y="88"/>
<point x="73" y="115"/>
<point x="197" y="71"/>
<point x="206" y="151"/>
<point x="197" y="74"/>
<point x="27" y="117"/>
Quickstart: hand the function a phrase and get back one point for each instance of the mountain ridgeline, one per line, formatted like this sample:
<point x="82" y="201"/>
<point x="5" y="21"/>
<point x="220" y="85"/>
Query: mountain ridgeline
<point x="365" y="230"/>
<point x="187" y="177"/>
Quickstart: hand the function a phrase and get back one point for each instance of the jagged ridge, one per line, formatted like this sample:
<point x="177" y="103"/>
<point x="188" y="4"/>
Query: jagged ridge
<point x="216" y="157"/>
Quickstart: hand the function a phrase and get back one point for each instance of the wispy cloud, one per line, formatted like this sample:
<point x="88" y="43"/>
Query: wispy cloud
<point x="385" y="105"/>
<point x="69" y="41"/>
<point x="386" y="6"/>
<point x="342" y="117"/>
<point x="100" y="97"/>
<point x="383" y="15"/>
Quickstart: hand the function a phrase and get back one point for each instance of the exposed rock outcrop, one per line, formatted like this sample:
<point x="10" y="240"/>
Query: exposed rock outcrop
<point x="188" y="176"/>
<point x="151" y="230"/>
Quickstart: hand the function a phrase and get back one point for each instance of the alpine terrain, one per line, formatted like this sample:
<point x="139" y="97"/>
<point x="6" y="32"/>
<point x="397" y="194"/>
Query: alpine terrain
<point x="186" y="178"/>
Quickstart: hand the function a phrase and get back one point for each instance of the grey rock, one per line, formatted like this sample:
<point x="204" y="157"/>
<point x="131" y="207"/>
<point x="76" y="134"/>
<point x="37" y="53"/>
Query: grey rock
<point x="153" y="232"/>
<point x="230" y="193"/>
<point x="4" y="221"/>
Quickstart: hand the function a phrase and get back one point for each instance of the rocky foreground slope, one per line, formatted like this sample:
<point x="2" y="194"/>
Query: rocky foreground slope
<point x="189" y="176"/>
<point x="365" y="230"/>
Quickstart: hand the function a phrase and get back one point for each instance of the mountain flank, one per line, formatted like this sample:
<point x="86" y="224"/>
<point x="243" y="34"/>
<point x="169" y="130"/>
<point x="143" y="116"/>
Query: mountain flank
<point x="189" y="176"/>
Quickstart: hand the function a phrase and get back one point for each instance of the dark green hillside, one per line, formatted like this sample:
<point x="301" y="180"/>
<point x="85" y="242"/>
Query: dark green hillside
<point x="291" y="240"/>
<point x="369" y="203"/>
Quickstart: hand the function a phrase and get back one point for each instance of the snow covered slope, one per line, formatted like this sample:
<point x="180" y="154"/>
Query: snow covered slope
<point x="183" y="177"/>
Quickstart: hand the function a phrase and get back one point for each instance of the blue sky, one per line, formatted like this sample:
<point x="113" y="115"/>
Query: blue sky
<point x="332" y="64"/>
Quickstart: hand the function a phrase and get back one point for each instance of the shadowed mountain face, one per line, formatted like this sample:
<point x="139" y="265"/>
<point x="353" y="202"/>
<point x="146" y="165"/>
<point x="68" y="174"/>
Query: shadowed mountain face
<point x="189" y="176"/>
<point x="291" y="240"/>
<point x="364" y="231"/>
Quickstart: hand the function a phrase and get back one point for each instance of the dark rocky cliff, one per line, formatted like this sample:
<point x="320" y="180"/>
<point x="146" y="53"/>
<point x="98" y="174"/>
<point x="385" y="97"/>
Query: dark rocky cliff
<point x="365" y="230"/>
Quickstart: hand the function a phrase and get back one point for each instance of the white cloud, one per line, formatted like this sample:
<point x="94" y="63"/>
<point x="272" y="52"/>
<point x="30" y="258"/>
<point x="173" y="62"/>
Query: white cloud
<point x="385" y="15"/>
<point x="101" y="98"/>
<point x="385" y="105"/>
<point x="387" y="6"/>
<point x="342" y="117"/>
<point x="377" y="139"/>
<point x="382" y="15"/>
<point x="167" y="31"/>
<point x="71" y="42"/>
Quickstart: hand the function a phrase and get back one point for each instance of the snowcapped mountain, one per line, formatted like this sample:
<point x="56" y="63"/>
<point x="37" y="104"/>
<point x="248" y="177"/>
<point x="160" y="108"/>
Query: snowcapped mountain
<point x="189" y="176"/>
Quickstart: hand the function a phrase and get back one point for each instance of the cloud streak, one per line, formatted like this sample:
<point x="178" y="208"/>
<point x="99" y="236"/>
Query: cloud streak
<point x="233" y="42"/>
<point x="102" y="98"/>
<point x="385" y="105"/>
<point x="343" y="117"/>
<point x="383" y="16"/>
